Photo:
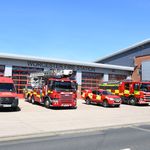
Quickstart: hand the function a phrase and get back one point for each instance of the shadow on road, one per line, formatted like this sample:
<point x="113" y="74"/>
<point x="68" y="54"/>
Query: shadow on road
<point x="99" y="105"/>
<point x="4" y="110"/>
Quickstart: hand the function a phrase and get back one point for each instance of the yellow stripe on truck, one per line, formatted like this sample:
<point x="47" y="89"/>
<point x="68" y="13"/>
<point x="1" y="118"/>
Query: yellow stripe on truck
<point x="49" y="91"/>
<point x="136" y="93"/>
<point x="90" y="95"/>
<point x="116" y="91"/>
<point x="109" y="90"/>
<point x="98" y="97"/>
<point x="126" y="92"/>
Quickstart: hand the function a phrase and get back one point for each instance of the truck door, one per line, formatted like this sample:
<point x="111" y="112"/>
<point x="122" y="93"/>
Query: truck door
<point x="94" y="92"/>
<point x="126" y="89"/>
<point x="98" y="97"/>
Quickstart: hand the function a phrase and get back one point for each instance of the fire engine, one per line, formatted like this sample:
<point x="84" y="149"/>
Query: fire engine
<point x="8" y="94"/>
<point x="103" y="97"/>
<point x="54" y="88"/>
<point x="132" y="93"/>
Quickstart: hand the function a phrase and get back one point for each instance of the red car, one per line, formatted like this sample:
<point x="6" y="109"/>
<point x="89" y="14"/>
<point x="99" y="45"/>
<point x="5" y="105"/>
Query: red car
<point x="103" y="97"/>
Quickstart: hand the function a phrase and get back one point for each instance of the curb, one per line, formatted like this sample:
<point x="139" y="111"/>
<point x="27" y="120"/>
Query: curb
<point x="59" y="133"/>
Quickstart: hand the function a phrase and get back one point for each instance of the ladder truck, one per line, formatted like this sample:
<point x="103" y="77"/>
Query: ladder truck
<point x="54" y="88"/>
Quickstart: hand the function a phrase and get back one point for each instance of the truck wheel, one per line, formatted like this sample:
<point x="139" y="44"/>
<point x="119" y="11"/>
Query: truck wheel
<point x="47" y="103"/>
<point x="88" y="101"/>
<point x="132" y="101"/>
<point x="32" y="100"/>
<point x="105" y="103"/>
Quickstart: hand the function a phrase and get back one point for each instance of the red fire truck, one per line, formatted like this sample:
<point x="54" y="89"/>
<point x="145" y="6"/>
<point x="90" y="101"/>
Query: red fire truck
<point x="54" y="88"/>
<point x="103" y="97"/>
<point x="130" y="92"/>
<point x="8" y="95"/>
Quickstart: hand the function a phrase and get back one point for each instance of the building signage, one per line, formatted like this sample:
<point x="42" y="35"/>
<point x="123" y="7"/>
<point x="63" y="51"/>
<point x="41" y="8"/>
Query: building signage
<point x="59" y="66"/>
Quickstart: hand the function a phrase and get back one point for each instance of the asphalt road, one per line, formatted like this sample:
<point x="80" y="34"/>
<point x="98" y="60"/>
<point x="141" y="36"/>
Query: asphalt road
<point x="127" y="138"/>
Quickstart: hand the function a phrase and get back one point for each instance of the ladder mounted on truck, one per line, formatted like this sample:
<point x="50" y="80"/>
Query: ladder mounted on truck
<point x="38" y="78"/>
<point x="52" y="74"/>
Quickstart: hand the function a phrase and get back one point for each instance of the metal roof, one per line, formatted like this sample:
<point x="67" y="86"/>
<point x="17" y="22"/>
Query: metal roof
<point x="69" y="62"/>
<point x="125" y="50"/>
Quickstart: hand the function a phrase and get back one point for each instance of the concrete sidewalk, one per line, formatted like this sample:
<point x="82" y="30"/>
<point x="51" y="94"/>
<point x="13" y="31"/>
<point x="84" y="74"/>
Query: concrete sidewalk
<point x="35" y="119"/>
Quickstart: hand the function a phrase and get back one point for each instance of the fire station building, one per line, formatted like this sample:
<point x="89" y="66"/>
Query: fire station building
<point x="137" y="56"/>
<point x="88" y="75"/>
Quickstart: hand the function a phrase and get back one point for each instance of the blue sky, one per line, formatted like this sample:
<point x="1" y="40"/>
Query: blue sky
<point x="83" y="30"/>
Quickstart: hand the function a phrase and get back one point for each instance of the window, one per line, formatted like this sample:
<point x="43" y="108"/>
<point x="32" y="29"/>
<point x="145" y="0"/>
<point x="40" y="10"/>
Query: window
<point x="127" y="86"/>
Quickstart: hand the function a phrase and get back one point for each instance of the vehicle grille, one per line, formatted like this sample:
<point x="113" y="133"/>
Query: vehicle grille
<point x="147" y="97"/>
<point x="66" y="98"/>
<point x="6" y="100"/>
<point x="117" y="100"/>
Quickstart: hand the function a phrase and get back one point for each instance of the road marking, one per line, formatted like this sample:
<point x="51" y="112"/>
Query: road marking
<point x="126" y="149"/>
<point x="139" y="128"/>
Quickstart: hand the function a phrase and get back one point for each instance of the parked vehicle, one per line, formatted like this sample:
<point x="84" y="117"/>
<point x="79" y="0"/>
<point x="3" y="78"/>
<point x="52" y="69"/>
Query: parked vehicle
<point x="54" y="88"/>
<point x="103" y="97"/>
<point x="130" y="92"/>
<point x="8" y="95"/>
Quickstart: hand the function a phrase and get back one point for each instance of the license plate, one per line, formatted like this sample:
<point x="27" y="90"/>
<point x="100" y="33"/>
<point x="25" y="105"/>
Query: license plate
<point x="65" y="105"/>
<point x="6" y="105"/>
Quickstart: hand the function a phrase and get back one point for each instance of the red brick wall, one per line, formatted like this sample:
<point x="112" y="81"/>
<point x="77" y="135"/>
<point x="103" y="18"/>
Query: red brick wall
<point x="138" y="61"/>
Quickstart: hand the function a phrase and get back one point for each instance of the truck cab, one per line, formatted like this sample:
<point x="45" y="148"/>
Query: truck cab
<point x="8" y="95"/>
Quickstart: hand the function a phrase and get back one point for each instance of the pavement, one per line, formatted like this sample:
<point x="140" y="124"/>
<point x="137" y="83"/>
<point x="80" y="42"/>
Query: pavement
<point x="35" y="120"/>
<point x="127" y="138"/>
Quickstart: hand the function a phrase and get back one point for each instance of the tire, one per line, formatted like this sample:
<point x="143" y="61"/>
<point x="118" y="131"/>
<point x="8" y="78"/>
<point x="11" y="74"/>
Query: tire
<point x="105" y="103"/>
<point x="87" y="101"/>
<point x="32" y="100"/>
<point x="132" y="101"/>
<point x="47" y="103"/>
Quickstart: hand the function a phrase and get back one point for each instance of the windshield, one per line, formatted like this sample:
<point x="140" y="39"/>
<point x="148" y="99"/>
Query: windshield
<point x="64" y="86"/>
<point x="145" y="87"/>
<point x="107" y="93"/>
<point x="7" y="87"/>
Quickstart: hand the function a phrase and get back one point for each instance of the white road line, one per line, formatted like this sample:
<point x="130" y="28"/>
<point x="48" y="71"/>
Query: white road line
<point x="126" y="149"/>
<point x="139" y="128"/>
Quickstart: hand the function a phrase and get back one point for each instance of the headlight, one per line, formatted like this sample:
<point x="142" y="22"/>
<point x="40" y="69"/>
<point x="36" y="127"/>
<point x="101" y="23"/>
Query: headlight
<point x="111" y="99"/>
